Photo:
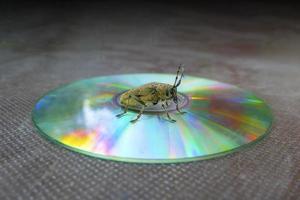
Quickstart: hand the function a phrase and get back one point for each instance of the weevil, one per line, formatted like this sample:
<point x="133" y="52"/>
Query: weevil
<point x="151" y="94"/>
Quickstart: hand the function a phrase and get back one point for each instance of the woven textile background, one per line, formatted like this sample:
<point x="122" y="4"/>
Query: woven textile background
<point x="43" y="47"/>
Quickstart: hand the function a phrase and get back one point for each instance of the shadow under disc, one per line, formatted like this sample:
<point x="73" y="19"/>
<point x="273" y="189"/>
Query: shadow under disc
<point x="220" y="118"/>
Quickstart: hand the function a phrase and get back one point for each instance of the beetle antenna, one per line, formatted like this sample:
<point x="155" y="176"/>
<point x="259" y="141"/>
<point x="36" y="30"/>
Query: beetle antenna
<point x="180" y="68"/>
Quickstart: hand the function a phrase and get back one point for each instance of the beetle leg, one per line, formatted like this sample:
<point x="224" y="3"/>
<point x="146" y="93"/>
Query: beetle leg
<point x="137" y="99"/>
<point x="167" y="103"/>
<point x="172" y="120"/>
<point x="139" y="115"/>
<point x="177" y="108"/>
<point x="125" y="110"/>
<point x="141" y="111"/>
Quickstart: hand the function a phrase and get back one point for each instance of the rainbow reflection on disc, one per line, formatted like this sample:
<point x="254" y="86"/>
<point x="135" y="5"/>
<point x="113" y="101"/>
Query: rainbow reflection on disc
<point x="220" y="118"/>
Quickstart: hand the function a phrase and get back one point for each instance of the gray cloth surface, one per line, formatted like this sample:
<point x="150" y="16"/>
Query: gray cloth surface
<point x="42" y="48"/>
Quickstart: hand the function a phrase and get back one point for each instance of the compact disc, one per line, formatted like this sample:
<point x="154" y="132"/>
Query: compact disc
<point x="219" y="118"/>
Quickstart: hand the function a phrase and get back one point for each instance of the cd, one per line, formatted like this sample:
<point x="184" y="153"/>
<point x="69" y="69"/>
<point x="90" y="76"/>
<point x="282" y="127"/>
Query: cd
<point x="219" y="119"/>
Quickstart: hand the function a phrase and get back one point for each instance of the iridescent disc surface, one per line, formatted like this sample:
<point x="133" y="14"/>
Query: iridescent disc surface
<point x="220" y="118"/>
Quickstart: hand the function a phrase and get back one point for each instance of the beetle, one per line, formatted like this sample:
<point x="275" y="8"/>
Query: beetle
<point x="151" y="94"/>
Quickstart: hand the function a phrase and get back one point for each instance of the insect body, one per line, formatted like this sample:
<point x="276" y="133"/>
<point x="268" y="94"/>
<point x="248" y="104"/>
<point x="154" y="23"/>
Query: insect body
<point x="151" y="94"/>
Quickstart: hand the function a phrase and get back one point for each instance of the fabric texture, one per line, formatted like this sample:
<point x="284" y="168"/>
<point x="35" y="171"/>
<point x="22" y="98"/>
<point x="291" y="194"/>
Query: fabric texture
<point x="42" y="48"/>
